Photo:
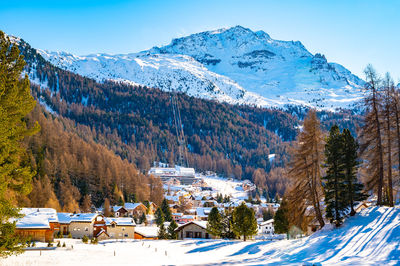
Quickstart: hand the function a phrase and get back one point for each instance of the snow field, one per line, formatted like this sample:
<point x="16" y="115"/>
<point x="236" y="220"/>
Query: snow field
<point x="372" y="237"/>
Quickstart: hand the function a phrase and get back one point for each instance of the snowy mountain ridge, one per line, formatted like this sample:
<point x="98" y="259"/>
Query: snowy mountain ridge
<point x="234" y="65"/>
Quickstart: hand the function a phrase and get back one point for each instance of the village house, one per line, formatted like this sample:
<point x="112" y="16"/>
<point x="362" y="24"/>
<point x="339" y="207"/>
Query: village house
<point x="146" y="232"/>
<point x="151" y="210"/>
<point x="135" y="209"/>
<point x="266" y="227"/>
<point x="119" y="211"/>
<point x="64" y="219"/>
<point x="194" y="229"/>
<point x="38" y="224"/>
<point x="89" y="224"/>
<point x="120" y="228"/>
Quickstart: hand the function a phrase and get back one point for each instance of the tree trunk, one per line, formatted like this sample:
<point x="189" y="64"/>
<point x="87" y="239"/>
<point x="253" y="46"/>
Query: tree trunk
<point x="389" y="137"/>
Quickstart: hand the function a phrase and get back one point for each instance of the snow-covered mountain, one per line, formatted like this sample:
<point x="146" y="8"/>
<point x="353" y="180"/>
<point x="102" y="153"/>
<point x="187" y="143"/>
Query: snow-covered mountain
<point x="234" y="65"/>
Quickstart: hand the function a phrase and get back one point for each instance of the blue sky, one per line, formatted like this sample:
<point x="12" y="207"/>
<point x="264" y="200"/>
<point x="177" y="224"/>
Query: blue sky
<point x="352" y="33"/>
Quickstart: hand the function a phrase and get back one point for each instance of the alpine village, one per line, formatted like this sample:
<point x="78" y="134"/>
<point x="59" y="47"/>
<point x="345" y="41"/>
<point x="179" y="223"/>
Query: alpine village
<point x="223" y="147"/>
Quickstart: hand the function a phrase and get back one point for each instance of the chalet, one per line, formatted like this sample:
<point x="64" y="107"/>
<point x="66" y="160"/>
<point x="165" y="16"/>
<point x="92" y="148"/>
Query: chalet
<point x="120" y="228"/>
<point x="146" y="232"/>
<point x="64" y="219"/>
<point x="89" y="224"/>
<point x="120" y="211"/>
<point x="38" y="224"/>
<point x="135" y="209"/>
<point x="152" y="208"/>
<point x="194" y="229"/>
<point x="266" y="227"/>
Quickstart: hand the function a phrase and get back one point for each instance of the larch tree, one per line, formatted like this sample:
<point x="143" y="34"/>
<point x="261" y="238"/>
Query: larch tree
<point x="15" y="173"/>
<point x="107" y="208"/>
<point x="371" y="133"/>
<point x="388" y="126"/>
<point x="305" y="172"/>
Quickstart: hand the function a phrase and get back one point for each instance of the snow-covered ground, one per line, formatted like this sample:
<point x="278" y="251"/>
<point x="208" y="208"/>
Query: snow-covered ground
<point x="372" y="237"/>
<point x="228" y="187"/>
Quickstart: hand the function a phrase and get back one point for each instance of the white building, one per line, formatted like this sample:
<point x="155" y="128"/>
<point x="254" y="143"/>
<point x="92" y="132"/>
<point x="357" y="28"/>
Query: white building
<point x="266" y="227"/>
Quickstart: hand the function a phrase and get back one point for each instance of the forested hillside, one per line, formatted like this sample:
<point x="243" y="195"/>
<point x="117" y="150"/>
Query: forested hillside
<point x="137" y="124"/>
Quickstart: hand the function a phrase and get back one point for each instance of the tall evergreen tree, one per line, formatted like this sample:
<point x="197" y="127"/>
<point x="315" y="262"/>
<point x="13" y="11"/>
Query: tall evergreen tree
<point x="166" y="211"/>
<point x="172" y="234"/>
<point x="162" y="233"/>
<point x="244" y="221"/>
<point x="15" y="173"/>
<point x="214" y="222"/>
<point x="159" y="216"/>
<point x="227" y="225"/>
<point x="334" y="186"/>
<point x="281" y="222"/>
<point x="354" y="187"/>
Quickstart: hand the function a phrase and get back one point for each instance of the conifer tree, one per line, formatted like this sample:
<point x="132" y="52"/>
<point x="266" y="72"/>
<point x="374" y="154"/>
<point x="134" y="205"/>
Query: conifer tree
<point x="166" y="211"/>
<point x="227" y="225"/>
<point x="86" y="204"/>
<point x="162" y="233"/>
<point x="172" y="234"/>
<point x="354" y="187"/>
<point x="159" y="216"/>
<point x="244" y="221"/>
<point x="334" y="187"/>
<point x="305" y="172"/>
<point x="214" y="222"/>
<point x="281" y="222"/>
<point x="371" y="134"/>
<point x="388" y="128"/>
<point x="15" y="173"/>
<point x="107" y="208"/>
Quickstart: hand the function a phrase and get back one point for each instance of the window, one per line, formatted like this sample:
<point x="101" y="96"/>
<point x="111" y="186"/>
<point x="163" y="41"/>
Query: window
<point x="123" y="228"/>
<point x="189" y="234"/>
<point x="126" y="235"/>
<point x="112" y="225"/>
<point x="86" y="229"/>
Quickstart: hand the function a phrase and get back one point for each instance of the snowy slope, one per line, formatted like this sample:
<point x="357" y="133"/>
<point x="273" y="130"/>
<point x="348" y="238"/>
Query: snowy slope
<point x="234" y="65"/>
<point x="370" y="238"/>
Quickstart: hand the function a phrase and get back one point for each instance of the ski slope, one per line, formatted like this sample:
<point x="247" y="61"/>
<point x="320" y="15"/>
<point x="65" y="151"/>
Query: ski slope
<point x="372" y="237"/>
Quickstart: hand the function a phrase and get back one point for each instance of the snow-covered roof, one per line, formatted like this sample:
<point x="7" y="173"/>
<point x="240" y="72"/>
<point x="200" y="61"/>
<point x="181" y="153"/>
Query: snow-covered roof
<point x="64" y="217"/>
<point x="132" y="206"/>
<point x="116" y="208"/>
<point x="84" y="217"/>
<point x="270" y="221"/>
<point x="123" y="221"/>
<point x="36" y="218"/>
<point x="147" y="231"/>
<point x="202" y="224"/>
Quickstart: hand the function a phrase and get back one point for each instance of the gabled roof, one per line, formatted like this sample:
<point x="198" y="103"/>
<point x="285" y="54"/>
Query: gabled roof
<point x="84" y="217"/>
<point x="270" y="221"/>
<point x="122" y="221"/>
<point x="102" y="231"/>
<point x="202" y="224"/>
<point x="133" y="206"/>
<point x="64" y="217"/>
<point x="38" y="218"/>
<point x="147" y="231"/>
